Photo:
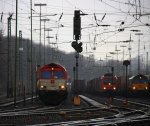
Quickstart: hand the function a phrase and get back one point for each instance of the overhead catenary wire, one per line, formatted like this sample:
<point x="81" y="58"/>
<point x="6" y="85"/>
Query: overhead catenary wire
<point x="100" y="15"/>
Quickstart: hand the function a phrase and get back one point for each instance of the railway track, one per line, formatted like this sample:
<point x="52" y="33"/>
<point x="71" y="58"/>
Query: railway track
<point x="93" y="113"/>
<point x="53" y="114"/>
<point x="125" y="115"/>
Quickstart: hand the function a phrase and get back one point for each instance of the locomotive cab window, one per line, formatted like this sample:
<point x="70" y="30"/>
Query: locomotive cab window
<point x="58" y="74"/>
<point x="140" y="81"/>
<point x="46" y="75"/>
<point x="109" y="80"/>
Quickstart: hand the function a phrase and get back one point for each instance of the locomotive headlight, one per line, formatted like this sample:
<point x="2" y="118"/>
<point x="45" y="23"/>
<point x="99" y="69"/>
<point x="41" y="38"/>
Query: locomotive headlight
<point x="109" y="83"/>
<point x="62" y="86"/>
<point x="42" y="86"/>
<point x="146" y="88"/>
<point x="104" y="88"/>
<point x="133" y="88"/>
<point x="114" y="88"/>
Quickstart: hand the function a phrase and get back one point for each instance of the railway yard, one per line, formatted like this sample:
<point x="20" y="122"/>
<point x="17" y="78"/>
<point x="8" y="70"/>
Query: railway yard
<point x="75" y="63"/>
<point x="93" y="110"/>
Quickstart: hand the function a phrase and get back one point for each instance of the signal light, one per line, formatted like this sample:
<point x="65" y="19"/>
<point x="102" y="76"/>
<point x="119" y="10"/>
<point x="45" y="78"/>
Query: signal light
<point x="77" y="25"/>
<point x="77" y="46"/>
<point x="80" y="47"/>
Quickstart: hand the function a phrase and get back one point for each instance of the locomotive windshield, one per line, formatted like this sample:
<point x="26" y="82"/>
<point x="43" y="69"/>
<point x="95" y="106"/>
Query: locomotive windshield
<point x="49" y="74"/>
<point x="58" y="74"/>
<point x="140" y="81"/>
<point x="46" y="75"/>
<point x="109" y="80"/>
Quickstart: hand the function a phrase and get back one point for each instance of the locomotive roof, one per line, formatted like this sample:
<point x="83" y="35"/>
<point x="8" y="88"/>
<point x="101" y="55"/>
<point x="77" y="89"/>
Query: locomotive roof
<point x="138" y="76"/>
<point x="55" y="65"/>
<point x="108" y="74"/>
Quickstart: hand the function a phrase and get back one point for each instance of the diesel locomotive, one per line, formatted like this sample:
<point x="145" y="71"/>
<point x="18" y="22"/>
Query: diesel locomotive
<point x="52" y="84"/>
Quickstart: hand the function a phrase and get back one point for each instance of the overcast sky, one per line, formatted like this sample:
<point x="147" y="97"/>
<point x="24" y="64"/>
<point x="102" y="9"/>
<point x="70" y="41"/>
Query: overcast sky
<point x="97" y="40"/>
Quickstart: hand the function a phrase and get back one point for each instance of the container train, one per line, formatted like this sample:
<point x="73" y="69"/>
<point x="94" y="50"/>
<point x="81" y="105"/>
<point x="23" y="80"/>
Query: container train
<point x="136" y="85"/>
<point x="52" y="84"/>
<point x="104" y="84"/>
<point x="79" y="86"/>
